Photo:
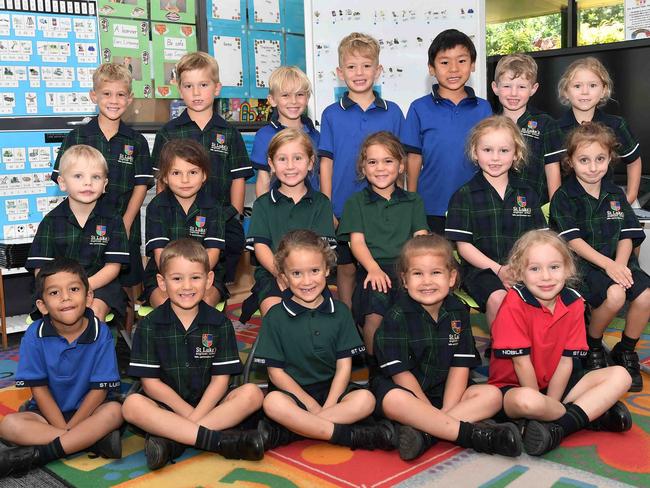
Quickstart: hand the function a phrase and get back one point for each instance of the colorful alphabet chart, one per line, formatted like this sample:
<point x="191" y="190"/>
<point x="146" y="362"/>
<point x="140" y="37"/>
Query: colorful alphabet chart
<point x="49" y="50"/>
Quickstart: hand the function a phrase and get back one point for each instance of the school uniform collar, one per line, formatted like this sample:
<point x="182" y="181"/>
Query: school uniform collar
<point x="480" y="183"/>
<point x="184" y="118"/>
<point x="399" y="195"/>
<point x="166" y="316"/>
<point x="63" y="210"/>
<point x="277" y="125"/>
<point x="346" y="102"/>
<point x="88" y="336"/>
<point x="92" y="128"/>
<point x="277" y="196"/>
<point x="568" y="119"/>
<point x="410" y="306"/>
<point x="203" y="199"/>
<point x="471" y="96"/>
<point x="567" y="295"/>
<point x="294" y="309"/>
<point x="575" y="189"/>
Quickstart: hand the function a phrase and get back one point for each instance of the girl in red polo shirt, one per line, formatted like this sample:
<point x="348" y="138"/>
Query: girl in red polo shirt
<point x="537" y="332"/>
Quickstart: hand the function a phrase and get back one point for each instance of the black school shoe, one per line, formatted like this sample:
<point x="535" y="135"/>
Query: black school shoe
<point x="616" y="419"/>
<point x="109" y="446"/>
<point x="630" y="361"/>
<point x="542" y="437"/>
<point x="17" y="461"/>
<point x="159" y="451"/>
<point x="241" y="444"/>
<point x="274" y="434"/>
<point x="492" y="438"/>
<point x="380" y="435"/>
<point x="595" y="359"/>
<point x="413" y="443"/>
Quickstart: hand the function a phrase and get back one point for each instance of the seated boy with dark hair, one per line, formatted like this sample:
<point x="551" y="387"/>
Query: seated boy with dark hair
<point x="68" y="360"/>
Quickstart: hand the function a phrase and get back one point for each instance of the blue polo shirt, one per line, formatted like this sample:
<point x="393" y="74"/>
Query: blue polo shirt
<point x="263" y="137"/>
<point x="344" y="126"/>
<point x="437" y="129"/>
<point x="69" y="370"/>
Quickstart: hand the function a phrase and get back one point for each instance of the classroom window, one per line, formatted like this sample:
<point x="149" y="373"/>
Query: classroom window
<point x="600" y="21"/>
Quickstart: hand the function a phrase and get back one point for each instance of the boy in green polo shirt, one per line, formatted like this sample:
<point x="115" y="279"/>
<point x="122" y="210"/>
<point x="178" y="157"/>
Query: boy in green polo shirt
<point x="185" y="352"/>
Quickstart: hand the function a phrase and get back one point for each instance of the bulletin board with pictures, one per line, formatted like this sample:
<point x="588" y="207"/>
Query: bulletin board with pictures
<point x="404" y="31"/>
<point x="48" y="53"/>
<point x="170" y="42"/>
<point x="134" y="9"/>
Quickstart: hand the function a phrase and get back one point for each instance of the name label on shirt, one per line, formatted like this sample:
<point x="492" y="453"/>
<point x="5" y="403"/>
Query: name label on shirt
<point x="204" y="352"/>
<point x="127" y="156"/>
<point x="99" y="240"/>
<point x="521" y="210"/>
<point x="512" y="352"/>
<point x="454" y="337"/>
<point x="197" y="231"/>
<point x="219" y="144"/>
<point x="531" y="130"/>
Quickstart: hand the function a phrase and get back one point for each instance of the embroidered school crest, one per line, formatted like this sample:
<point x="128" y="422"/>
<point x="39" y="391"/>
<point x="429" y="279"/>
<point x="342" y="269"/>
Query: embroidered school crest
<point x="615" y="205"/>
<point x="100" y="230"/>
<point x="128" y="150"/>
<point x="200" y="221"/>
<point x="521" y="201"/>
<point x="456" y="326"/>
<point x="206" y="340"/>
<point x="532" y="124"/>
<point x="220" y="138"/>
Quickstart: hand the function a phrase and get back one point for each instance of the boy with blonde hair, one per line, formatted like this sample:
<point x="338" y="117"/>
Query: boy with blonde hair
<point x="198" y="83"/>
<point x="344" y="126"/>
<point x="289" y="92"/>
<point x="127" y="155"/>
<point x="515" y="82"/>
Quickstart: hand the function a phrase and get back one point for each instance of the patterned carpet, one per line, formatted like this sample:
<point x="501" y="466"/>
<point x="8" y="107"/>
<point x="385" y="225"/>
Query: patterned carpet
<point x="586" y="459"/>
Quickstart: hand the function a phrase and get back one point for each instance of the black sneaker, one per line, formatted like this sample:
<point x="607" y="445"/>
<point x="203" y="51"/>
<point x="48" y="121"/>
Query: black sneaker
<point x="542" y="437"/>
<point x="160" y="450"/>
<point x="109" y="446"/>
<point x="274" y="434"/>
<point x="616" y="419"/>
<point x="381" y="435"/>
<point x="630" y="361"/>
<point x="19" y="460"/>
<point x="595" y="359"/>
<point x="493" y="438"/>
<point x="241" y="444"/>
<point x="413" y="443"/>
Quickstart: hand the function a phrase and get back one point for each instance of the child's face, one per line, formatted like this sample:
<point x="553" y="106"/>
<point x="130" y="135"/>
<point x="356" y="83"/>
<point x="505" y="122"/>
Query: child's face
<point x="112" y="99"/>
<point x="428" y="279"/>
<point x="305" y="273"/>
<point x="585" y="90"/>
<point x="291" y="103"/>
<point x="359" y="72"/>
<point x="291" y="164"/>
<point x="452" y="68"/>
<point x="198" y="89"/>
<point x="185" y="282"/>
<point x="545" y="273"/>
<point x="184" y="178"/>
<point x="65" y="299"/>
<point x="83" y="181"/>
<point x="381" y="168"/>
<point x="590" y="162"/>
<point x="513" y="93"/>
<point x="494" y="152"/>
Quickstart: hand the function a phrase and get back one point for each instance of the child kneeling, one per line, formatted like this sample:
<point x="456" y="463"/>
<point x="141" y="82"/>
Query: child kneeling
<point x="68" y="360"/>
<point x="537" y="332"/>
<point x="185" y="352"/>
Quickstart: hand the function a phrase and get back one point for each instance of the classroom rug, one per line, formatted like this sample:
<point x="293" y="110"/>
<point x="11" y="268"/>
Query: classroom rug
<point x="586" y="459"/>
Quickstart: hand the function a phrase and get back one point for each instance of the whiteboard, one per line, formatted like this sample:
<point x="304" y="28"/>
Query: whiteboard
<point x="404" y="34"/>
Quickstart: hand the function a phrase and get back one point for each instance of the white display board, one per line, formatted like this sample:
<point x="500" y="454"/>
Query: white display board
<point x="404" y="30"/>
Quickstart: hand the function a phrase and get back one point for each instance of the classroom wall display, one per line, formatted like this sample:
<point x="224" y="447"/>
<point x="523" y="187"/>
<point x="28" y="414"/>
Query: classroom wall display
<point x="294" y="51"/>
<point x="230" y="12"/>
<point x="135" y="9"/>
<point x="126" y="42"/>
<point x="404" y="32"/>
<point x="170" y="43"/>
<point x="637" y="19"/>
<point x="26" y="191"/>
<point x="265" y="14"/>
<point x="182" y="11"/>
<point x="229" y="46"/>
<point x="294" y="16"/>
<point x="265" y="55"/>
<point x="48" y="53"/>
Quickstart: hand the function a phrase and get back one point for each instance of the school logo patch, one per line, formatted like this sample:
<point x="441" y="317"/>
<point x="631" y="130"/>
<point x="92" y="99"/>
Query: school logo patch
<point x="615" y="212"/>
<point x="206" y="340"/>
<point x="128" y="150"/>
<point x="200" y="221"/>
<point x="220" y="138"/>
<point x="521" y="201"/>
<point x="100" y="230"/>
<point x="615" y="205"/>
<point x="127" y="156"/>
<point x="456" y="326"/>
<point x="531" y="130"/>
<point x="219" y="144"/>
<point x="532" y="124"/>
<point x="100" y="238"/>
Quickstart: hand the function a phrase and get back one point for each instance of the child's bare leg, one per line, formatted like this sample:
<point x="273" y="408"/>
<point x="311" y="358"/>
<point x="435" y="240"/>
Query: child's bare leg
<point x="354" y="406"/>
<point x="238" y="404"/>
<point x="286" y="412"/>
<point x="598" y="390"/>
<point x="130" y="311"/>
<point x="529" y="403"/>
<point x="27" y="429"/>
<point x="157" y="298"/>
<point x="603" y="315"/>
<point x="267" y="303"/>
<point x="212" y="296"/>
<point x="637" y="315"/>
<point x="493" y="304"/>
<point x="370" y="326"/>
<point x="479" y="402"/>
<point x="100" y="309"/>
<point x="345" y="277"/>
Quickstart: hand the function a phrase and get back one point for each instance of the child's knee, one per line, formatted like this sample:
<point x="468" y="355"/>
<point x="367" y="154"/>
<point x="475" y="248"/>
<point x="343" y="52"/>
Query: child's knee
<point x="525" y="401"/>
<point x="619" y="376"/>
<point x="615" y="297"/>
<point x="364" y="403"/>
<point x="495" y="300"/>
<point x="9" y="425"/>
<point x="252" y="395"/>
<point x="489" y="393"/>
<point x="273" y="404"/>
<point x="395" y="402"/>
<point x="134" y="407"/>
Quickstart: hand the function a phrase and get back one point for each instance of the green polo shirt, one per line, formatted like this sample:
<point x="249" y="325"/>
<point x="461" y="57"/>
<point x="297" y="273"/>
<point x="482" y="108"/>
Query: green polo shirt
<point x="410" y="340"/>
<point x="385" y="224"/>
<point x="305" y="342"/>
<point x="185" y="360"/>
<point x="275" y="214"/>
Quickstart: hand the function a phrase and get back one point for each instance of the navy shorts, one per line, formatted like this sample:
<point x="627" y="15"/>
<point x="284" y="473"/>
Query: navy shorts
<point x="318" y="391"/>
<point x="480" y="284"/>
<point x="596" y="282"/>
<point x="265" y="285"/>
<point x="366" y="301"/>
<point x="112" y="295"/>
<point x="437" y="224"/>
<point x="133" y="274"/>
<point x="380" y="386"/>
<point x="344" y="253"/>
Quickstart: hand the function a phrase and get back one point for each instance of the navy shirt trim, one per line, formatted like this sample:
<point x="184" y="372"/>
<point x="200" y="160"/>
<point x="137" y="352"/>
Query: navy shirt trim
<point x="346" y="102"/>
<point x="568" y="295"/>
<point x="293" y="308"/>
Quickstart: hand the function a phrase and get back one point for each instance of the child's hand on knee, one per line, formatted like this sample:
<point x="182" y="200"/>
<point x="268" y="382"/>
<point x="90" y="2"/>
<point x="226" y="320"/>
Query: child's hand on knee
<point x="620" y="273"/>
<point x="378" y="280"/>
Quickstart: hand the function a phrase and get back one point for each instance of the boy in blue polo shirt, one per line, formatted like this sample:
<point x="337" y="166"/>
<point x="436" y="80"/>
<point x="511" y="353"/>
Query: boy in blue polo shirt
<point x="68" y="360"/>
<point x="289" y="91"/>
<point x="344" y="126"/>
<point x="437" y="126"/>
